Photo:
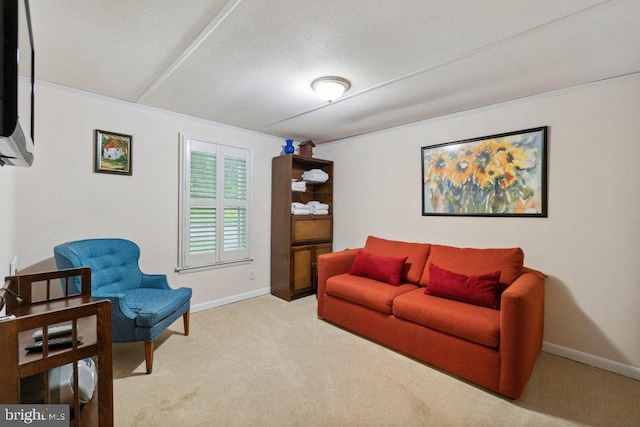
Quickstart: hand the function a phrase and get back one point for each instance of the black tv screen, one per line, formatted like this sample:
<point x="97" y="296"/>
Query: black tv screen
<point x="18" y="61"/>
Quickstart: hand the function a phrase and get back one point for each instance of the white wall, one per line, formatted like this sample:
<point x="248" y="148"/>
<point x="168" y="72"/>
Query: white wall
<point x="7" y="218"/>
<point x="60" y="198"/>
<point x="590" y="243"/>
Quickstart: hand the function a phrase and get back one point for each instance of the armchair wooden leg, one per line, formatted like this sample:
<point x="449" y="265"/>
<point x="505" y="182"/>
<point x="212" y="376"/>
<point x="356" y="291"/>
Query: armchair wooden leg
<point x="148" y="355"/>
<point x="185" y="319"/>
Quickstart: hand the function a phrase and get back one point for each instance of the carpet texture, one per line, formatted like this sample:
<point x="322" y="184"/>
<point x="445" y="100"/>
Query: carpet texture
<point x="267" y="362"/>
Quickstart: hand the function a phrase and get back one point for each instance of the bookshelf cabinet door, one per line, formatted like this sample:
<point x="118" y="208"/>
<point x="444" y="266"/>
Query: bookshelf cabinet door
<point x="304" y="267"/>
<point x="301" y="266"/>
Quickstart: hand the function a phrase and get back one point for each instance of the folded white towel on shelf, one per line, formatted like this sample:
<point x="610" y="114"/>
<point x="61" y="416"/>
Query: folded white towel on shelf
<point x="295" y="211"/>
<point x="299" y="186"/>
<point x="315" y="205"/>
<point x="315" y="175"/>
<point x="296" y="205"/>
<point x="320" y="212"/>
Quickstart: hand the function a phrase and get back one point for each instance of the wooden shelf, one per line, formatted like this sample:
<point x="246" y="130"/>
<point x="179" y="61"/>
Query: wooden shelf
<point x="91" y="320"/>
<point x="297" y="240"/>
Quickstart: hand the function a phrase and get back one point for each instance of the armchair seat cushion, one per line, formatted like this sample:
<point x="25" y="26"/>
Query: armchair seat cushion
<point x="153" y="305"/>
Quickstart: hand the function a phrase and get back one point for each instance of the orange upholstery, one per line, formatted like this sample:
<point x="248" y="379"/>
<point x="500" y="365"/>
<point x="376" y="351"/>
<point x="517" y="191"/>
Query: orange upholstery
<point x="475" y="362"/>
<point x="496" y="349"/>
<point x="416" y="254"/>
<point x="521" y="327"/>
<point x="471" y="322"/>
<point x="367" y="292"/>
<point x="333" y="264"/>
<point x="470" y="261"/>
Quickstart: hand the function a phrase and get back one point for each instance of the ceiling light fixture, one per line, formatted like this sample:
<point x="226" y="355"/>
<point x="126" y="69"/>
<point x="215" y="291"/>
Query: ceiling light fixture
<point x="330" y="88"/>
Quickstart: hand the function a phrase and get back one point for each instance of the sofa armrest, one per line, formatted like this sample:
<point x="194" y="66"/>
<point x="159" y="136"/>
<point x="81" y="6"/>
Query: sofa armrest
<point x="521" y="331"/>
<point x="332" y="264"/>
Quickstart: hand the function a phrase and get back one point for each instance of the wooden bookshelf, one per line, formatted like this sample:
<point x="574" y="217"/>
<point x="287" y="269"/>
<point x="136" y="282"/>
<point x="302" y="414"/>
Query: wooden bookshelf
<point x="298" y="240"/>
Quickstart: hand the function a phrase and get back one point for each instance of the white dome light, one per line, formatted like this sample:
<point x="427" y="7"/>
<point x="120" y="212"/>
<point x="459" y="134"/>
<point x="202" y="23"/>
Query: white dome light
<point x="330" y="88"/>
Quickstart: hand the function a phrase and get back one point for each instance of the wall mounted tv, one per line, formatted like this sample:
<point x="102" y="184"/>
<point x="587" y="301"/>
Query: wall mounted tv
<point x="17" y="55"/>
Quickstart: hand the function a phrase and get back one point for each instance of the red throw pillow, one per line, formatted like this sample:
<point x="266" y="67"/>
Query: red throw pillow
<point x="478" y="290"/>
<point x="416" y="254"/>
<point x="382" y="268"/>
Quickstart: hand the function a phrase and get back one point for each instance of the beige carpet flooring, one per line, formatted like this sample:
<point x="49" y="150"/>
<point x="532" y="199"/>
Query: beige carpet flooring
<point x="266" y="362"/>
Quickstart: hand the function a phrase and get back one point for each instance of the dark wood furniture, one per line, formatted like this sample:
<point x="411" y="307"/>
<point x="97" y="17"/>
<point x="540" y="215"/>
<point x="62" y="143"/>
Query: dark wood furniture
<point x="298" y="240"/>
<point x="42" y="309"/>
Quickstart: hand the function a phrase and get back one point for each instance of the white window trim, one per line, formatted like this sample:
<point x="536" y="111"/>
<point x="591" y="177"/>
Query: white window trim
<point x="221" y="259"/>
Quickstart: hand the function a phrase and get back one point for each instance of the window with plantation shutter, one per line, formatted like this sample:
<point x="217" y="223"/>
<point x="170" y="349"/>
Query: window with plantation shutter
<point x="214" y="204"/>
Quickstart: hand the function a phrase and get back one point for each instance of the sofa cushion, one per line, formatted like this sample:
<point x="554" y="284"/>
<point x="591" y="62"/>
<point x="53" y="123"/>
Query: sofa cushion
<point x="480" y="289"/>
<point x="377" y="267"/>
<point x="367" y="292"/>
<point x="416" y="254"/>
<point x="470" y="261"/>
<point x="470" y="322"/>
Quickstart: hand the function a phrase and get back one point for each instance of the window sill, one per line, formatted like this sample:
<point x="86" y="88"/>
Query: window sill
<point x="195" y="269"/>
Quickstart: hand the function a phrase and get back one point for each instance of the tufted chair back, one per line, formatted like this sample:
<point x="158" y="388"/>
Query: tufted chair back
<point x="113" y="262"/>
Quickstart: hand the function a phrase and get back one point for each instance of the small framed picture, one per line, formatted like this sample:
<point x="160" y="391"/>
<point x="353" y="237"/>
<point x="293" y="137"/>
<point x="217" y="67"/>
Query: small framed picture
<point x="113" y="153"/>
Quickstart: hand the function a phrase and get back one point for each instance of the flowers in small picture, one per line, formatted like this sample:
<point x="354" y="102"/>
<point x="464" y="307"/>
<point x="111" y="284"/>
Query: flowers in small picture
<point x="495" y="175"/>
<point x="113" y="153"/>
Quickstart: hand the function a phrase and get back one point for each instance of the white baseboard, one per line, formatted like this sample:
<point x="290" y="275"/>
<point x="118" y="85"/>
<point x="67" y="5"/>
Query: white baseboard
<point x="224" y="301"/>
<point x="591" y="360"/>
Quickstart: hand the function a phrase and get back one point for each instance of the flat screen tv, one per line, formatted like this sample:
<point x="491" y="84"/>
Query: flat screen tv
<point x="18" y="59"/>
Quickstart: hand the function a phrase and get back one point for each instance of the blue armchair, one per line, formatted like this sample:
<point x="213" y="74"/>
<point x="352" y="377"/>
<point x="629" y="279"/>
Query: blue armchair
<point x="142" y="305"/>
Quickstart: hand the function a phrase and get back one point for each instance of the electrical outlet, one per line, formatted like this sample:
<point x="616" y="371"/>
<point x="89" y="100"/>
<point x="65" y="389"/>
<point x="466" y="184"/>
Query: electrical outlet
<point x="252" y="274"/>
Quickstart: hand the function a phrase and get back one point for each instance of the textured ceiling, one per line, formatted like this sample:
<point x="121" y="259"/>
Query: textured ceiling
<point x="250" y="63"/>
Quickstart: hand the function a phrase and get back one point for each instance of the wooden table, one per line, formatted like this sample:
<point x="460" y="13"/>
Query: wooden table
<point x="91" y="320"/>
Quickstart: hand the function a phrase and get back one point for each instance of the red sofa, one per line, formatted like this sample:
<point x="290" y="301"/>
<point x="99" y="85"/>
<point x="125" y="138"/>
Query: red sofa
<point x="493" y="347"/>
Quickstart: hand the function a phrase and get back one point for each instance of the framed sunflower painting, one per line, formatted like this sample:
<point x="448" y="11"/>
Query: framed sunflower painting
<point x="496" y="175"/>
